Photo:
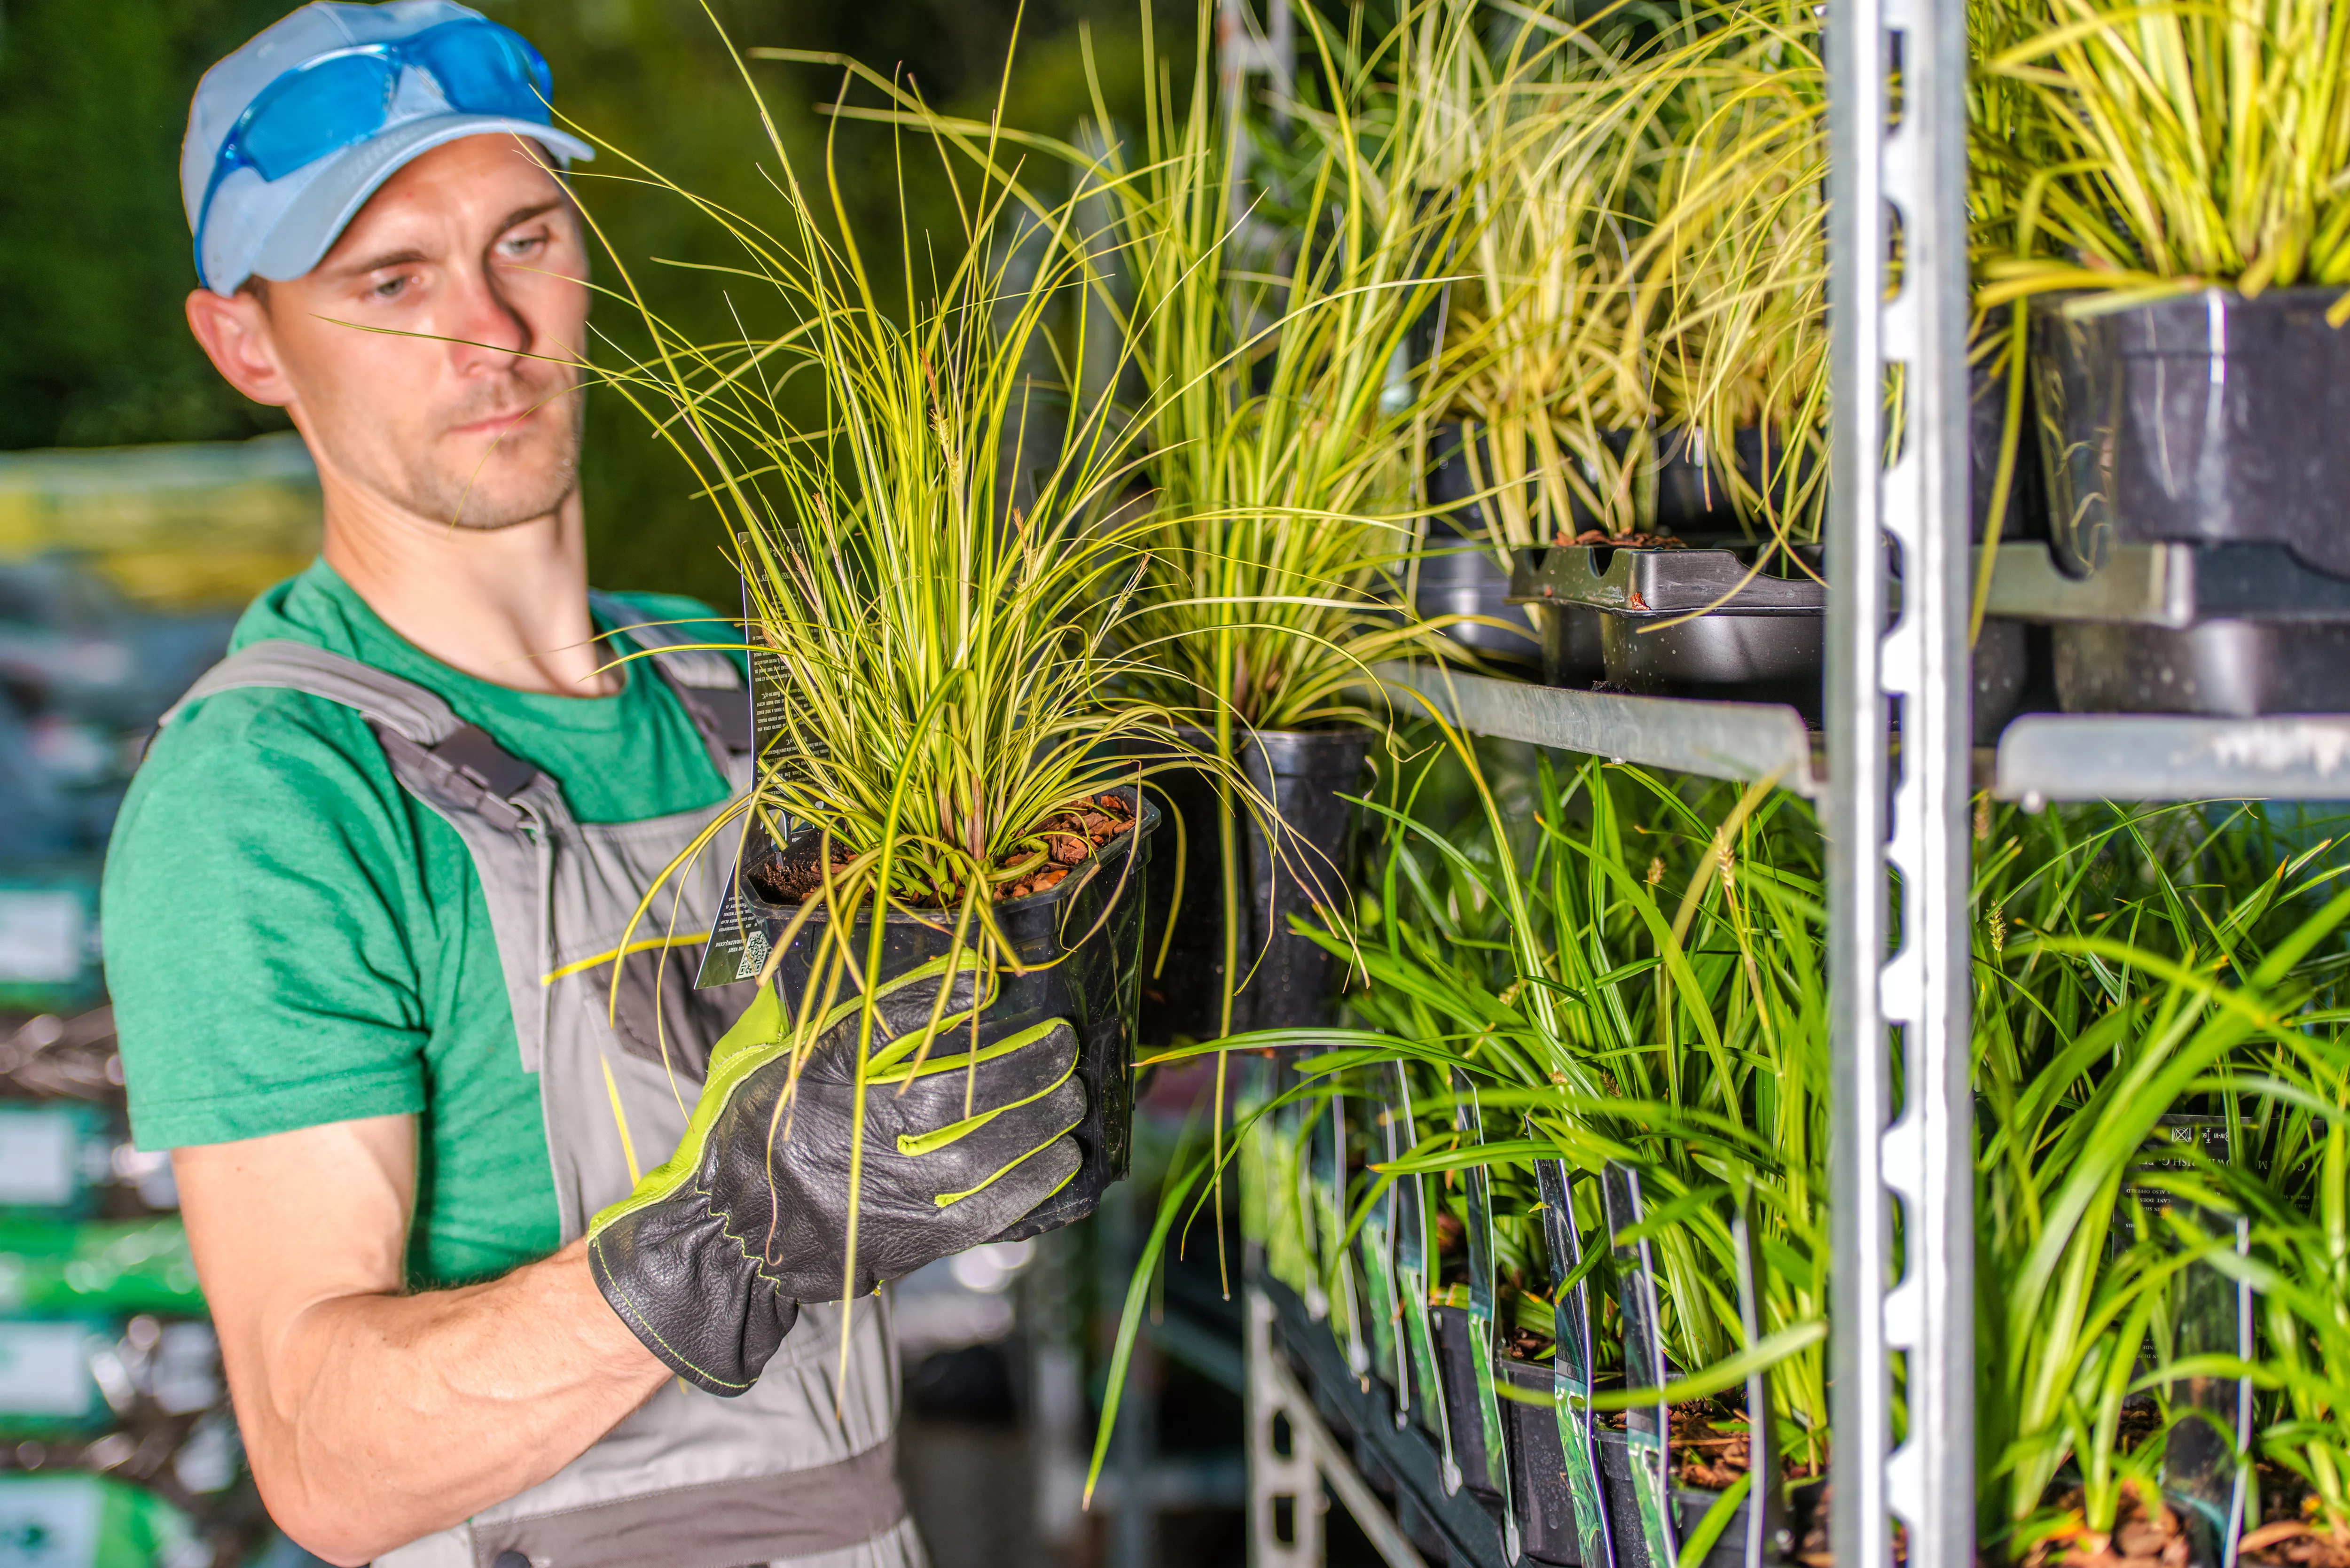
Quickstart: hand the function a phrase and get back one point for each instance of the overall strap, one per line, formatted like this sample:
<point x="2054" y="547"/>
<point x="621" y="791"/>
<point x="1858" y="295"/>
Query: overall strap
<point x="417" y="729"/>
<point x="707" y="682"/>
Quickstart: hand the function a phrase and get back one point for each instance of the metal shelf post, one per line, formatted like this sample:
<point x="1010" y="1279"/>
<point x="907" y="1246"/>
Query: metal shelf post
<point x="1896" y="818"/>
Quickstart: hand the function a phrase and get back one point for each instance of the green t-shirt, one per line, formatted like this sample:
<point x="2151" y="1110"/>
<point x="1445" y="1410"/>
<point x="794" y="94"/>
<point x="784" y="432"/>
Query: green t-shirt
<point x="292" y="939"/>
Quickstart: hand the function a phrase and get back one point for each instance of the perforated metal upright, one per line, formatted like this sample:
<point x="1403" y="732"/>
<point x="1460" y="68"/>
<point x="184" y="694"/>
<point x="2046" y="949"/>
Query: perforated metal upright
<point x="1898" y="733"/>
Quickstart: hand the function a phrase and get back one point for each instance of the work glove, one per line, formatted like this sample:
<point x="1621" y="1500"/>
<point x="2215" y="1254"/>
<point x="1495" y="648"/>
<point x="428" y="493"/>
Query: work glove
<point x="708" y="1260"/>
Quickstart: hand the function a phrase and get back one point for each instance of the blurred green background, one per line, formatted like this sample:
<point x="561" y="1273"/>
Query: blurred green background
<point x="94" y="254"/>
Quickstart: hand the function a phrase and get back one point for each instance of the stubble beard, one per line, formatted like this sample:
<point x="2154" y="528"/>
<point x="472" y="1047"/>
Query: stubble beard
<point x="498" y="493"/>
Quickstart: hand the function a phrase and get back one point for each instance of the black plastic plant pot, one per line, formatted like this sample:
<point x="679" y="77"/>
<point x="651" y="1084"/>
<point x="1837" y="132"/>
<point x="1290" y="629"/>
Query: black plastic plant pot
<point x="1081" y="940"/>
<point x="1453" y="490"/>
<point x="2205" y="418"/>
<point x="1538" y="1492"/>
<point x="1460" y="576"/>
<point x="1456" y="1368"/>
<point x="2002" y="666"/>
<point x="1573" y="652"/>
<point x="2025" y="515"/>
<point x="1724" y="655"/>
<point x="1691" y="497"/>
<point x="2235" y="669"/>
<point x="1293" y="984"/>
<point x="1690" y="1508"/>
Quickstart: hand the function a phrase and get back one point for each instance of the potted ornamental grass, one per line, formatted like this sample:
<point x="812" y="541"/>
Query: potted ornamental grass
<point x="1275" y="458"/>
<point x="1272" y="451"/>
<point x="1676" y="172"/>
<point x="2173" y="215"/>
<point x="1539" y="392"/>
<point x="947" y="784"/>
<point x="1280" y="463"/>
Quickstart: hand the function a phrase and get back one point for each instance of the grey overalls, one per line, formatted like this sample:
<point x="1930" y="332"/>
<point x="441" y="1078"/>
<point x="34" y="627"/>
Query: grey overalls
<point x="800" y="1469"/>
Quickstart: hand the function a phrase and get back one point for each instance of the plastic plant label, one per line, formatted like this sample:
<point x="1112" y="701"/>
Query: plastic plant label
<point x="1767" y="1538"/>
<point x="740" y="937"/>
<point x="738" y="946"/>
<point x="2209" y="1314"/>
<point x="1570" y="1364"/>
<point x="1375" y="1246"/>
<point x="1484" y="1344"/>
<point x="1327" y="1165"/>
<point x="44" y="1371"/>
<point x="1648" y="1429"/>
<point x="1415" y="1272"/>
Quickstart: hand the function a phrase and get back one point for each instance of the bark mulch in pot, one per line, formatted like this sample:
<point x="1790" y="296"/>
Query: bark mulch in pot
<point x="1070" y="837"/>
<point x="2147" y="1533"/>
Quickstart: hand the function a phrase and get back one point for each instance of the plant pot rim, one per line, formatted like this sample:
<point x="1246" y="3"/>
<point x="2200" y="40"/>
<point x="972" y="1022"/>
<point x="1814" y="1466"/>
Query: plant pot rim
<point x="1147" y="819"/>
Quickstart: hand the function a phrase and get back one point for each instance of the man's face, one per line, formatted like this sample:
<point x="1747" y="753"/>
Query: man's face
<point x="432" y="356"/>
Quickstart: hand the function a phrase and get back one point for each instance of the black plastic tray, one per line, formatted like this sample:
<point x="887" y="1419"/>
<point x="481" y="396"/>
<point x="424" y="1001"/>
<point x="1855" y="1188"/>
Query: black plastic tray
<point x="1629" y="580"/>
<point x="1458" y="1528"/>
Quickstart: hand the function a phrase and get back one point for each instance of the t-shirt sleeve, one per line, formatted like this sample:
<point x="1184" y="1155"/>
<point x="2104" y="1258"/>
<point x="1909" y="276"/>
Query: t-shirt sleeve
<point x="252" y="917"/>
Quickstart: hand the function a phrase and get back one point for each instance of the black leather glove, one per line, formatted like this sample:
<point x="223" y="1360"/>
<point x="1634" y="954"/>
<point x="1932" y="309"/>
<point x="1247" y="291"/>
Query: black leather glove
<point x="708" y="1260"/>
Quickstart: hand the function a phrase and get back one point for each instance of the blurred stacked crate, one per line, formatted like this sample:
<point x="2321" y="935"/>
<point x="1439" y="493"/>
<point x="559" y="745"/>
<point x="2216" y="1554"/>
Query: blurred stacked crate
<point x="122" y="573"/>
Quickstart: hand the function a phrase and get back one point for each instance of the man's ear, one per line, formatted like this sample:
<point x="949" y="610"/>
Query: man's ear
<point x="236" y="336"/>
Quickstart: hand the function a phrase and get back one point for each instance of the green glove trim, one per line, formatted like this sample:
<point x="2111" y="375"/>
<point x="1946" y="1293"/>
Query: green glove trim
<point x="948" y="1200"/>
<point x="954" y="1132"/>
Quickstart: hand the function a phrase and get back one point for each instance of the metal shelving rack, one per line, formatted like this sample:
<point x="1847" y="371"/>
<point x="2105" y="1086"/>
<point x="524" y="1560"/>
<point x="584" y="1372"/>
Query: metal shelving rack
<point x="1896" y="815"/>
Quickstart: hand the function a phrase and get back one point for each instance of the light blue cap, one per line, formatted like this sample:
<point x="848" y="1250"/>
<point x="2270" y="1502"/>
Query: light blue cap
<point x="278" y="229"/>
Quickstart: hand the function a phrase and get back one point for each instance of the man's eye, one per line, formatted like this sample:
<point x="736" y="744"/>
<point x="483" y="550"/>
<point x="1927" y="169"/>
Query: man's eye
<point x="390" y="287"/>
<point x="524" y="244"/>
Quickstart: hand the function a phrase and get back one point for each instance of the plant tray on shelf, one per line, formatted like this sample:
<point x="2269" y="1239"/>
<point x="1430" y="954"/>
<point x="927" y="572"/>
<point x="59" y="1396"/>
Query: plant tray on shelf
<point x="1692" y="621"/>
<point x="1079" y="944"/>
<point x="1625" y="579"/>
<point x="2173" y="586"/>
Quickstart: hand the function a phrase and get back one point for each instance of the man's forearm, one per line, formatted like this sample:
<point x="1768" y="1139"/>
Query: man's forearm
<point x="389" y="1417"/>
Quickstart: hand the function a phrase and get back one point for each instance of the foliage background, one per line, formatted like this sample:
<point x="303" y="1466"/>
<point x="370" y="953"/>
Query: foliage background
<point x="94" y="251"/>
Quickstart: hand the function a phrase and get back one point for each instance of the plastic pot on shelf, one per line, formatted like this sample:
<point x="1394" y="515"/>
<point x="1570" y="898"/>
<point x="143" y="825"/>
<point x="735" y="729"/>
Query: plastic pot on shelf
<point x="2025" y="515"/>
<point x="1457" y="575"/>
<point x="1456" y="1356"/>
<point x="2003" y="667"/>
<point x="1080" y="942"/>
<point x="2235" y="669"/>
<point x="2205" y="417"/>
<point x="1690" y="1506"/>
<point x="1538" y="1490"/>
<point x="1290" y="981"/>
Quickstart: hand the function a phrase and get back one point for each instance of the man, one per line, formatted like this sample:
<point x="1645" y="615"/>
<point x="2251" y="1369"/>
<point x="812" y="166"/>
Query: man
<point x="365" y="902"/>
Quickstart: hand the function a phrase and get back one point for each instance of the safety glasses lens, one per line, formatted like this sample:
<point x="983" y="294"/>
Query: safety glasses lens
<point x="327" y="107"/>
<point x="483" y="69"/>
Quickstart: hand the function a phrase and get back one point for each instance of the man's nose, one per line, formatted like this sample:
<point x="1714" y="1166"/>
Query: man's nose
<point x="489" y="331"/>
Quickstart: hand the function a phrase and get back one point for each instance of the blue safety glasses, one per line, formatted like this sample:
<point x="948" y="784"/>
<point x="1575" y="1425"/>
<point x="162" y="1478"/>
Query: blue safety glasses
<point x="327" y="103"/>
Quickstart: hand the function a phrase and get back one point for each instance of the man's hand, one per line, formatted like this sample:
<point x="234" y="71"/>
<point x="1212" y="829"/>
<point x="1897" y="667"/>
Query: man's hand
<point x="373" y="1418"/>
<point x="710" y="1257"/>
